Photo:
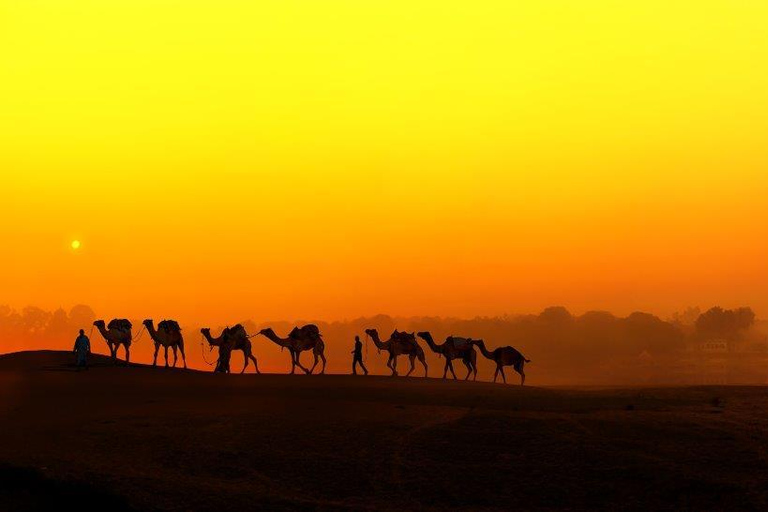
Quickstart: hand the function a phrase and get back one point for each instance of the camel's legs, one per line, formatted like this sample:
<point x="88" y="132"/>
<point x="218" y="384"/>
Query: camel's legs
<point x="445" y="369"/>
<point x="322" y="356"/>
<point x="312" y="370"/>
<point x="298" y="363"/>
<point x="389" y="364"/>
<point x="519" y="369"/>
<point x="496" y="375"/>
<point x="449" y="365"/>
<point x="503" y="377"/>
<point x="255" y="363"/>
<point x="175" y="355"/>
<point x="423" y="361"/>
<point x="157" y="349"/>
<point x="183" y="357"/>
<point x="127" y="355"/>
<point x="246" y="355"/>
<point x="412" y="359"/>
<point x="166" y="355"/>
<point x="469" y="368"/>
<point x="394" y="366"/>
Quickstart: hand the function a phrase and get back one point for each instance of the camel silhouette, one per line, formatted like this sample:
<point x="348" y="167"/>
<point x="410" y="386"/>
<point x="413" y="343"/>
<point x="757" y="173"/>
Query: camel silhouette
<point x="454" y="348"/>
<point x="116" y="333"/>
<point x="235" y="338"/>
<point x="399" y="343"/>
<point x="504" y="356"/>
<point x="169" y="336"/>
<point x="299" y="340"/>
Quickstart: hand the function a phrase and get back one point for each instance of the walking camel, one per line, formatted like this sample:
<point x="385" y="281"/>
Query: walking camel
<point x="399" y="343"/>
<point x="168" y="335"/>
<point x="299" y="340"/>
<point x="235" y="338"/>
<point x="116" y="333"/>
<point x="454" y="348"/>
<point x="504" y="356"/>
<point x="222" y="363"/>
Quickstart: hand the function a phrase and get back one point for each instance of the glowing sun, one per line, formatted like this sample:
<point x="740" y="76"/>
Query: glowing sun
<point x="75" y="244"/>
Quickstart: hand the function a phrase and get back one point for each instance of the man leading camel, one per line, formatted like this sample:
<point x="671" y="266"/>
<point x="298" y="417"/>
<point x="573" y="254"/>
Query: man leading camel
<point x="82" y="349"/>
<point x="357" y="357"/>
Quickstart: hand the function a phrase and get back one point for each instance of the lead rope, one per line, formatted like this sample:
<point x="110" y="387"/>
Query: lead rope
<point x="202" y="350"/>
<point x="141" y="332"/>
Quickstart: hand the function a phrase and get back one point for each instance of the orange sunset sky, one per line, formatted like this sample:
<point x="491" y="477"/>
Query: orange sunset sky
<point x="322" y="160"/>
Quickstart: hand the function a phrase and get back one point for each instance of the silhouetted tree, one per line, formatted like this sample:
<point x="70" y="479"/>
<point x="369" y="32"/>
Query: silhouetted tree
<point x="58" y="326"/>
<point x="81" y="317"/>
<point x="728" y="324"/>
<point x="556" y="316"/>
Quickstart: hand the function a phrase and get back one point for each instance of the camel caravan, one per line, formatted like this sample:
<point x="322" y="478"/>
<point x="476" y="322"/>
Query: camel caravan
<point x="118" y="332"/>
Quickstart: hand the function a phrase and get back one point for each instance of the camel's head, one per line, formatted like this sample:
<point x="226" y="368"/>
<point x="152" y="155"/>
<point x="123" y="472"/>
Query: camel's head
<point x="206" y="332"/>
<point x="147" y="323"/>
<point x="267" y="332"/>
<point x="373" y="333"/>
<point x="99" y="323"/>
<point x="425" y="335"/>
<point x="478" y="342"/>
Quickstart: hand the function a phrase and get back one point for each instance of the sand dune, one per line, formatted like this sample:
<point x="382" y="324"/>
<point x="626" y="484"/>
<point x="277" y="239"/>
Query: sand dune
<point x="123" y="438"/>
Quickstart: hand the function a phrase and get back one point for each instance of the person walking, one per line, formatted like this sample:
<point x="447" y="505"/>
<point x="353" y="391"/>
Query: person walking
<point x="357" y="357"/>
<point x="82" y="349"/>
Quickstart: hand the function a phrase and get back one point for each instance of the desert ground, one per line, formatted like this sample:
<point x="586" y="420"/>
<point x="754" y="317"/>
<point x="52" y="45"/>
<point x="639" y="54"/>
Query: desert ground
<point x="142" y="438"/>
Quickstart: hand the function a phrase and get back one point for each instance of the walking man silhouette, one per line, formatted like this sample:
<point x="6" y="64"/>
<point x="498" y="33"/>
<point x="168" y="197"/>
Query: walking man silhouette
<point x="82" y="349"/>
<point x="357" y="357"/>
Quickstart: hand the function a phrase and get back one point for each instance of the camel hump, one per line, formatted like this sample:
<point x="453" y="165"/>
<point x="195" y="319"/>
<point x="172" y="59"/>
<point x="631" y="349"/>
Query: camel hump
<point x="460" y="343"/>
<point x="309" y="331"/>
<point x="120" y="324"/>
<point x="237" y="330"/>
<point x="169" y="326"/>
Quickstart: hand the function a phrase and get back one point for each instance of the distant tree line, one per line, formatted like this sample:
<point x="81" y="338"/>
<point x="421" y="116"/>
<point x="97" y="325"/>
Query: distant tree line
<point x="36" y="328"/>
<point x="554" y="339"/>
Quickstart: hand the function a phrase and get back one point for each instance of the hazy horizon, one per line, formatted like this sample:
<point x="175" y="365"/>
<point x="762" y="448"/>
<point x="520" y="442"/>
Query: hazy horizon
<point x="595" y="347"/>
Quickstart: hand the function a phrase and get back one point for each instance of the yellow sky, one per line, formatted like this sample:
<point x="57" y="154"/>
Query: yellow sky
<point x="305" y="159"/>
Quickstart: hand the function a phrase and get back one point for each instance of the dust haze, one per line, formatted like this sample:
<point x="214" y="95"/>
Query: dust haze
<point x="713" y="346"/>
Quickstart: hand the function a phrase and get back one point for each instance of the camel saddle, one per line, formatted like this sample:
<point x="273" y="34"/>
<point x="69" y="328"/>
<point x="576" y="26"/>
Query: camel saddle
<point x="310" y="332"/>
<point x="459" y="343"/>
<point x="120" y="324"/>
<point x="169" y="326"/>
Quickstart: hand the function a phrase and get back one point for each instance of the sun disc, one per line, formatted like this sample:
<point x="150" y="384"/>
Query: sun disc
<point x="75" y="244"/>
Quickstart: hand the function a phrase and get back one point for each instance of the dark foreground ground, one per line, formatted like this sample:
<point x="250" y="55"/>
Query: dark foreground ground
<point x="117" y="438"/>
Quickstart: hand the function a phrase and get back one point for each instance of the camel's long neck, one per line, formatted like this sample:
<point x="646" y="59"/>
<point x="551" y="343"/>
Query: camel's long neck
<point x="213" y="341"/>
<point x="381" y="345"/>
<point x="483" y="350"/>
<point x="434" y="346"/>
<point x="283" y="342"/>
<point x="103" y="331"/>
<point x="151" y="330"/>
